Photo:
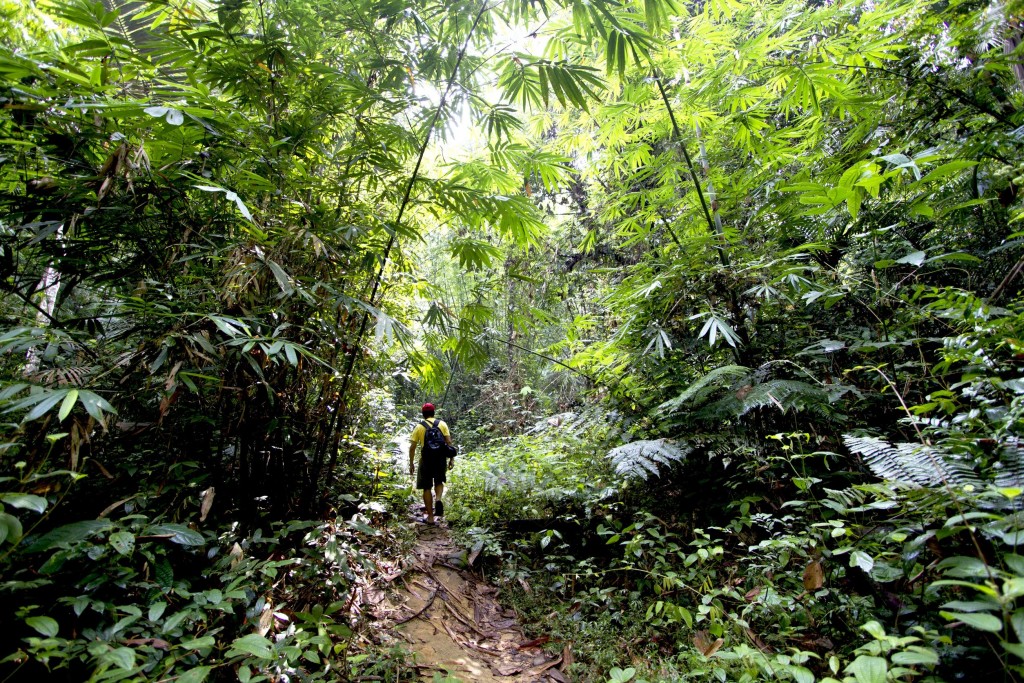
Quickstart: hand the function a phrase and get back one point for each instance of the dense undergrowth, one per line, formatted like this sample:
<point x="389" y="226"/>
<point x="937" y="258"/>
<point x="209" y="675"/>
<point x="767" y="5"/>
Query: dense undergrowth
<point x="787" y="561"/>
<point x="131" y="595"/>
<point x="722" y="300"/>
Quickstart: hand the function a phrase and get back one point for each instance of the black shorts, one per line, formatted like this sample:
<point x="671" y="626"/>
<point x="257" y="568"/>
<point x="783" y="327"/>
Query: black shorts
<point x="431" y="472"/>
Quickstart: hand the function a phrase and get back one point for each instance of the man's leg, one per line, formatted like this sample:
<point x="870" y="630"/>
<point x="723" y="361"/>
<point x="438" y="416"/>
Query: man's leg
<point x="428" y="500"/>
<point x="438" y="491"/>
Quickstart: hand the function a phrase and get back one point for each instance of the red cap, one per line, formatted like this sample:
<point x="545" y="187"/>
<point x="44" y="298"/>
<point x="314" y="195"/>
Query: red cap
<point x="428" y="406"/>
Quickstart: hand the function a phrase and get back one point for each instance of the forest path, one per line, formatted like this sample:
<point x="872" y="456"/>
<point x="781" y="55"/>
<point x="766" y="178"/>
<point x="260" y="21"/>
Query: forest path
<point x="453" y="622"/>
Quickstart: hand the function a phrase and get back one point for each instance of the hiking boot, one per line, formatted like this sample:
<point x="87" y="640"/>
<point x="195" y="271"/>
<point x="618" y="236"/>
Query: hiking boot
<point x="439" y="509"/>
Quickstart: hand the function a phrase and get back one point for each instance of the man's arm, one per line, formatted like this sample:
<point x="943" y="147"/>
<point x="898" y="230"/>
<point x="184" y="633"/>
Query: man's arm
<point x="451" y="458"/>
<point x="412" y="457"/>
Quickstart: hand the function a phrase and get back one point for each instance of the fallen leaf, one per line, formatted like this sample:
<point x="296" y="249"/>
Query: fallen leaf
<point x="558" y="676"/>
<point x="537" y="670"/>
<point x="756" y="640"/>
<point x="814" y="576"/>
<point x="567" y="658"/>
<point x="702" y="641"/>
<point x="536" y="642"/>
<point x="158" y="643"/>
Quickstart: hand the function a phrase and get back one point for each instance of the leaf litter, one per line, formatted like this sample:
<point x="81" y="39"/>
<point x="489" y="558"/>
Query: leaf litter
<point x="452" y="621"/>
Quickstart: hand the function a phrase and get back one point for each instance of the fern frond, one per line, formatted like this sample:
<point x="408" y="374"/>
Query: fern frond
<point x="785" y="394"/>
<point x="640" y="459"/>
<point x="861" y="498"/>
<point x="703" y="387"/>
<point x="842" y="500"/>
<point x="912" y="464"/>
<point x="1010" y="472"/>
<point x="77" y="376"/>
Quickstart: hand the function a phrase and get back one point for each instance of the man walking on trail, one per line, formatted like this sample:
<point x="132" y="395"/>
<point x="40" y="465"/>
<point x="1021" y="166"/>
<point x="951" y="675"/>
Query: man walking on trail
<point x="436" y="458"/>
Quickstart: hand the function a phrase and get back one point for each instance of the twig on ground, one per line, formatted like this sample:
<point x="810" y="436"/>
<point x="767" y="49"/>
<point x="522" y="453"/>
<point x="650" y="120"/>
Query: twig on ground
<point x="418" y="612"/>
<point x="466" y="622"/>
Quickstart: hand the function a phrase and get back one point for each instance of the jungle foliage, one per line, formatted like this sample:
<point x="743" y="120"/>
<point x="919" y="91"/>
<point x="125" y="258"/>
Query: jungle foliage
<point x="725" y="297"/>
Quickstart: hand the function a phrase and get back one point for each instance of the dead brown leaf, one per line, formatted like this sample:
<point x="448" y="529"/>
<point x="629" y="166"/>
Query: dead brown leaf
<point x="204" y="508"/>
<point x="236" y="555"/>
<point x="557" y="676"/>
<point x="814" y="576"/>
<point x="567" y="658"/>
<point x="158" y="643"/>
<point x="536" y="642"/>
<point x="703" y="642"/>
<point x="266" y="621"/>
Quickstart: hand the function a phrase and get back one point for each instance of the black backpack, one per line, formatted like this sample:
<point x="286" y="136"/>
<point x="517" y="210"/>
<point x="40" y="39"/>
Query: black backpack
<point x="434" y="445"/>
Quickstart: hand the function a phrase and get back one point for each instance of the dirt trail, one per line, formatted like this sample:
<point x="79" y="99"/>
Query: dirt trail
<point x="452" y="620"/>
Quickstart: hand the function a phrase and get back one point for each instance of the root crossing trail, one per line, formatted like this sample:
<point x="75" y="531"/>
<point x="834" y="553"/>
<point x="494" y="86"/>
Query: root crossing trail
<point x="452" y="621"/>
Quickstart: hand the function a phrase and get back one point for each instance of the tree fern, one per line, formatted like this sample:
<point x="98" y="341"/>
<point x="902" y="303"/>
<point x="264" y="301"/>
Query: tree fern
<point x="783" y="394"/>
<point x="640" y="459"/>
<point x="698" y="391"/>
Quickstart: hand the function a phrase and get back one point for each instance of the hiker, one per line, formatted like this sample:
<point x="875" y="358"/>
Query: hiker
<point x="433" y="465"/>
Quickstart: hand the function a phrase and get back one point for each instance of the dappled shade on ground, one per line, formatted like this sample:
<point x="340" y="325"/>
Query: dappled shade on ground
<point x="452" y="620"/>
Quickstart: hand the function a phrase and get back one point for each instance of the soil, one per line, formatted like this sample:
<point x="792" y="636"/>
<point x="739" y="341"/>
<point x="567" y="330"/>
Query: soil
<point x="452" y="620"/>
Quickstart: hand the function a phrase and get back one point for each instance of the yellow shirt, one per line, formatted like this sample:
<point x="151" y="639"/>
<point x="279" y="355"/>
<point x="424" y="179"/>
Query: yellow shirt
<point x="420" y="432"/>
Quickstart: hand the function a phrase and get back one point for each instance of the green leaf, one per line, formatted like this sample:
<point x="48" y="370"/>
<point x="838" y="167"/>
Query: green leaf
<point x="801" y="674"/>
<point x="24" y="501"/>
<point x="123" y="542"/>
<point x="282" y="278"/>
<point x="948" y="169"/>
<point x="915" y="258"/>
<point x="915" y="655"/>
<point x="199" y="643"/>
<point x="254" y="644"/>
<point x="95" y="405"/>
<point x="123" y="657"/>
<point x="859" y="558"/>
<point x="179" y="533"/>
<point x="10" y="528"/>
<point x="978" y="620"/>
<point x="68" y="404"/>
<point x="962" y="566"/>
<point x="69" y="533"/>
<point x="618" y="675"/>
<point x="44" y="406"/>
<point x="156" y="610"/>
<point x="196" y="675"/>
<point x="867" y="669"/>
<point x="44" y="625"/>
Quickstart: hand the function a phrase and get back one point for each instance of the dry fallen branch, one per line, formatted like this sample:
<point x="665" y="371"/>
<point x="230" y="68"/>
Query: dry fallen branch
<point x="418" y="612"/>
<point x="466" y="622"/>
